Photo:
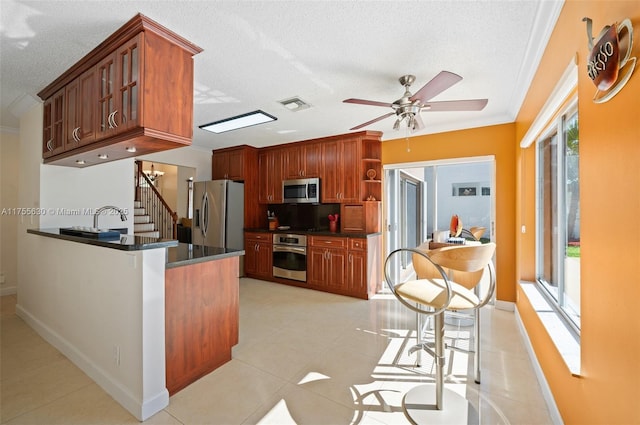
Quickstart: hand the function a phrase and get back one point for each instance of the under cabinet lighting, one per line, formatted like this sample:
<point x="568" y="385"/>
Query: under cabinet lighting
<point x="103" y="156"/>
<point x="131" y="149"/>
<point x="239" y="121"/>
<point x="80" y="161"/>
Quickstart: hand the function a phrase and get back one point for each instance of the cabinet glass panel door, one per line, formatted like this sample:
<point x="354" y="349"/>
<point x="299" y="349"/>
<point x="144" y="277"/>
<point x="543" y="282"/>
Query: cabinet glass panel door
<point x="129" y="75"/>
<point x="106" y="105"/>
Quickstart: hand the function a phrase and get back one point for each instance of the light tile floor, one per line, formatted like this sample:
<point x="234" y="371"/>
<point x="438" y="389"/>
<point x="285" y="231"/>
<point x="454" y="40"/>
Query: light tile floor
<point x="304" y="357"/>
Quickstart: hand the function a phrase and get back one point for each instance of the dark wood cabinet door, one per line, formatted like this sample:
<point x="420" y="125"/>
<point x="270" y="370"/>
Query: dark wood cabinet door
<point x="357" y="272"/>
<point x="302" y="161"/>
<point x="270" y="171"/>
<point x="330" y="192"/>
<point x="235" y="164"/>
<point x="293" y="164"/>
<point x="53" y="130"/>
<point x="336" y="269"/>
<point x="264" y="260"/>
<point x="129" y="61"/>
<point x="106" y="74"/>
<point x="219" y="165"/>
<point x="350" y="170"/>
<point x="312" y="153"/>
<point x="81" y="106"/>
<point x="228" y="164"/>
<point x="264" y="182"/>
<point x="316" y="266"/>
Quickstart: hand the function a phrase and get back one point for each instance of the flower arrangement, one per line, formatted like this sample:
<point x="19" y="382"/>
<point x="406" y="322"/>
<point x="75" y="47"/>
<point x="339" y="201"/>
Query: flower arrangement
<point x="334" y="217"/>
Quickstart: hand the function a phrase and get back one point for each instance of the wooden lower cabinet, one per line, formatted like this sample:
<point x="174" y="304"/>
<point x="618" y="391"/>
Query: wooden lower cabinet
<point x="201" y="319"/>
<point x="326" y="268"/>
<point x="357" y="266"/>
<point x="344" y="265"/>
<point x="258" y="255"/>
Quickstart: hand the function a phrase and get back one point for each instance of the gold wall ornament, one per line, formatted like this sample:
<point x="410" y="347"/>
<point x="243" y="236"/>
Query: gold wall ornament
<point x="610" y="63"/>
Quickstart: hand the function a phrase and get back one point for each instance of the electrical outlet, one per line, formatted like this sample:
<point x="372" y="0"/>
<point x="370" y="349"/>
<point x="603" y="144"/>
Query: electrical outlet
<point x="116" y="355"/>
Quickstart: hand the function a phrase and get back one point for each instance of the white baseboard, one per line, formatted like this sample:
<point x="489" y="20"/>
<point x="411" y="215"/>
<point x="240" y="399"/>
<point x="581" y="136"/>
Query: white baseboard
<point x="8" y="290"/>
<point x="141" y="411"/>
<point x="505" y="305"/>
<point x="554" y="413"/>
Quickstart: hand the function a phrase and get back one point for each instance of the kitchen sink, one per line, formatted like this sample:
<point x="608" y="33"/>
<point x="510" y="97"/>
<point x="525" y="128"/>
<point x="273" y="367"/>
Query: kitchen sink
<point x="92" y="233"/>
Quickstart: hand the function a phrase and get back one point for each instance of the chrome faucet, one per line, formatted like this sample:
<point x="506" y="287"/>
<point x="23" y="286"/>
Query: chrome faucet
<point x="123" y="216"/>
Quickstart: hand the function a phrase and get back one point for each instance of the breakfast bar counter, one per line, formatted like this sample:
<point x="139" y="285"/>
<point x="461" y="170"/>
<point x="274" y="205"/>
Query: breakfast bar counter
<point x="143" y="317"/>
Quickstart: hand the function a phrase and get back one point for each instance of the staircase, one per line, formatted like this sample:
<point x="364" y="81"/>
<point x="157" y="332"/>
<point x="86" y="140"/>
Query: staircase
<point x="142" y="224"/>
<point x="152" y="215"/>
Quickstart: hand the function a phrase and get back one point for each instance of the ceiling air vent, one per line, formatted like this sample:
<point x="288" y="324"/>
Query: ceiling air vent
<point x="294" y="104"/>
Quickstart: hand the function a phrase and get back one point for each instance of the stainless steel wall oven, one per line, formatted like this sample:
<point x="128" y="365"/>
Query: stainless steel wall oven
<point x="290" y="256"/>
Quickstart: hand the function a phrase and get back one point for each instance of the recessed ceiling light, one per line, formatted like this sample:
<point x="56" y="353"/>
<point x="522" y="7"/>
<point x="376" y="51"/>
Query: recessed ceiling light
<point x="131" y="149"/>
<point x="103" y="156"/>
<point x="239" y="121"/>
<point x="80" y="161"/>
<point x="294" y="104"/>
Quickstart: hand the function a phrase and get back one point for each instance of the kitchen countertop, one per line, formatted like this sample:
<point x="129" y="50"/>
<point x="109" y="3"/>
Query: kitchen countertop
<point x="185" y="254"/>
<point x="123" y="243"/>
<point x="325" y="232"/>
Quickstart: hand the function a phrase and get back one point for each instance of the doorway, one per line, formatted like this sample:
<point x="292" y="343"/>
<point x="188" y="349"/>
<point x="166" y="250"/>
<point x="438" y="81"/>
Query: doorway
<point x="420" y="198"/>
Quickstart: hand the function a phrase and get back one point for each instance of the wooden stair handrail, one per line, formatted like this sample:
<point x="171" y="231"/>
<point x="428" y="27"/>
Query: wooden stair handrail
<point x="173" y="214"/>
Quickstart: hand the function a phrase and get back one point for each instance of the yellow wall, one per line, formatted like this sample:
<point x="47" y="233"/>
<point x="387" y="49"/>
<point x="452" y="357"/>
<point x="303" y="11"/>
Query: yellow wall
<point x="607" y="390"/>
<point x="495" y="140"/>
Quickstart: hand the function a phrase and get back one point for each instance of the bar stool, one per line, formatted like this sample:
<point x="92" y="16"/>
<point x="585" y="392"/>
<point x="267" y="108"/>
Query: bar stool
<point x="444" y="280"/>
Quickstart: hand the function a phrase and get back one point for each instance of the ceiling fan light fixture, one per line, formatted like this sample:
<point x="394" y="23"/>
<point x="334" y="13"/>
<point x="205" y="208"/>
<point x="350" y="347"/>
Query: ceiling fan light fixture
<point x="239" y="121"/>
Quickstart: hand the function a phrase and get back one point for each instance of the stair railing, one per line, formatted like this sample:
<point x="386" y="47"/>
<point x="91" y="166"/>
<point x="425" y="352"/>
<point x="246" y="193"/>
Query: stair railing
<point x="165" y="219"/>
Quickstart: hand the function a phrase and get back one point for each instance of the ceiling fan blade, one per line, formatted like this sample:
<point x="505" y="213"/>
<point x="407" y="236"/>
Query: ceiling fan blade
<point x="437" y="85"/>
<point x="367" y="102"/>
<point x="372" y="121"/>
<point x="456" y="105"/>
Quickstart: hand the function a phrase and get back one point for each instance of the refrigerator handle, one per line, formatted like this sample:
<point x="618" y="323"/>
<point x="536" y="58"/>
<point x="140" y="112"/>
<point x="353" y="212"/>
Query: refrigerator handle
<point x="204" y="218"/>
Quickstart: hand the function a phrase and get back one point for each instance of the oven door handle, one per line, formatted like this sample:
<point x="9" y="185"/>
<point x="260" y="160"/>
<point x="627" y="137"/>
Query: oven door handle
<point x="278" y="248"/>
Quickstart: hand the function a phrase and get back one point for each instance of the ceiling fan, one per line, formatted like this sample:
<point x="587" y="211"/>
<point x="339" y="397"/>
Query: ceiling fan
<point x="408" y="107"/>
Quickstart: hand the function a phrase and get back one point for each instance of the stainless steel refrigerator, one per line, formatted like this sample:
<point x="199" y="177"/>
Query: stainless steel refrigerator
<point x="218" y="214"/>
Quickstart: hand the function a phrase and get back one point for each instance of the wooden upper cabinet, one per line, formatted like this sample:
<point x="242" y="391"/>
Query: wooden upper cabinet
<point x="80" y="112"/>
<point x="53" y="125"/>
<point x="229" y="163"/>
<point x="131" y="95"/>
<point x="270" y="172"/>
<point x="341" y="171"/>
<point x="302" y="160"/>
<point x="119" y="89"/>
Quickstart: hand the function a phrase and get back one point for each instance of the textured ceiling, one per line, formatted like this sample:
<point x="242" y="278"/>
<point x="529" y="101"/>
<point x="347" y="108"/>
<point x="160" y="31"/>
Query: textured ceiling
<point x="259" y="52"/>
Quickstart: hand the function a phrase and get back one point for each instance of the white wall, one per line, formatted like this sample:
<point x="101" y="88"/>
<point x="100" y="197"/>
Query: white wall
<point x="472" y="210"/>
<point x="103" y="309"/>
<point x="9" y="162"/>
<point x="189" y="156"/>
<point x="71" y="195"/>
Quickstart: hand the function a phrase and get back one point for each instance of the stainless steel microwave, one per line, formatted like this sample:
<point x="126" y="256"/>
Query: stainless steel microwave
<point x="301" y="191"/>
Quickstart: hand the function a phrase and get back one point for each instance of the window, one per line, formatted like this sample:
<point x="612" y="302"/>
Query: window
<point x="558" y="214"/>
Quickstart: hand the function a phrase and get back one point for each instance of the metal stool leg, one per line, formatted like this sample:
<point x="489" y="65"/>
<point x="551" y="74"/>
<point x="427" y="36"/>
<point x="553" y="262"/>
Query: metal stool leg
<point x="476" y="345"/>
<point x="439" y="357"/>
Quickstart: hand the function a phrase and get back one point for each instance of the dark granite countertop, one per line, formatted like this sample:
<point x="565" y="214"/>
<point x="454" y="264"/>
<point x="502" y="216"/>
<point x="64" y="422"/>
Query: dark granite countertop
<point x="122" y="242"/>
<point x="185" y="254"/>
<point x="313" y="232"/>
